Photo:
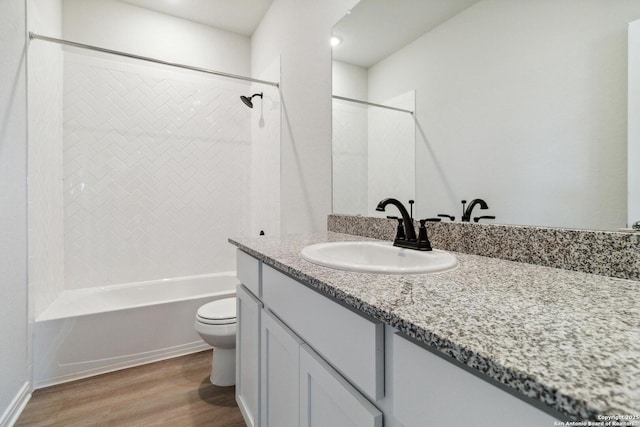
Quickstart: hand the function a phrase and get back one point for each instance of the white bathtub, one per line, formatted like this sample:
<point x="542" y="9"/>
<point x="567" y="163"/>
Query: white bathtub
<point x="91" y="331"/>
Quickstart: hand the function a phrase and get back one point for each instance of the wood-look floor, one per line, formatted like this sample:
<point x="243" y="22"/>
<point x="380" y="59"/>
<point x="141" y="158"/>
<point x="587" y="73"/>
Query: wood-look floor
<point x="174" y="392"/>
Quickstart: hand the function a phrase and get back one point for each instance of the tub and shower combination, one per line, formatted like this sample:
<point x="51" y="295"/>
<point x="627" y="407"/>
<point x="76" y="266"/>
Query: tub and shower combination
<point x="91" y="331"/>
<point x="161" y="162"/>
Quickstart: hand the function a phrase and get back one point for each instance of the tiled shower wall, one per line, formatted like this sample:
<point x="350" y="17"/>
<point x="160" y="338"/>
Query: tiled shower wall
<point x="350" y="158"/>
<point x="373" y="155"/>
<point x="156" y="172"/>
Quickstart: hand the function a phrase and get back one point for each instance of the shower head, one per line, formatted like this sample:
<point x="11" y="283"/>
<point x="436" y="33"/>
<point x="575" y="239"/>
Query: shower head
<point x="247" y="99"/>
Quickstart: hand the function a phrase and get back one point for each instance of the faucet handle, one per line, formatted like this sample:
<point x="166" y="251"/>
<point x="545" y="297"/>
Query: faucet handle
<point x="478" y="218"/>
<point x="451" y="217"/>
<point x="423" y="239"/>
<point x="400" y="234"/>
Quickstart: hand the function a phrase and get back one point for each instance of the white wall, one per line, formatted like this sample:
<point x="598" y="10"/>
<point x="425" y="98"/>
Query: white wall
<point x="349" y="81"/>
<point x="46" y="246"/>
<point x="350" y="158"/>
<point x="373" y="147"/>
<point x="157" y="161"/>
<point x="391" y="154"/>
<point x="534" y="122"/>
<point x="157" y="172"/>
<point x="14" y="383"/>
<point x="633" y="152"/>
<point x="265" y="155"/>
<point x="349" y="136"/>
<point x="121" y="26"/>
<point x="299" y="31"/>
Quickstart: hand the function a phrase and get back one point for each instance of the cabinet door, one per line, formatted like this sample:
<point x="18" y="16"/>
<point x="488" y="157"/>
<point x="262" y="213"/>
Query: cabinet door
<point x="280" y="373"/>
<point x="351" y="343"/>
<point x="248" y="355"/>
<point x="431" y="391"/>
<point x="328" y="400"/>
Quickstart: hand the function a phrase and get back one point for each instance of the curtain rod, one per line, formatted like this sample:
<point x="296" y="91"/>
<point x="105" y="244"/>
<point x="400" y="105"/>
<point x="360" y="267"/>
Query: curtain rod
<point x="371" y="103"/>
<point x="33" y="36"/>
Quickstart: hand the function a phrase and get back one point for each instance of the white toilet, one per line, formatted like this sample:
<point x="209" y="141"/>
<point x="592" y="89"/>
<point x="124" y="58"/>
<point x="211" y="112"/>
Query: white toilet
<point x="216" y="324"/>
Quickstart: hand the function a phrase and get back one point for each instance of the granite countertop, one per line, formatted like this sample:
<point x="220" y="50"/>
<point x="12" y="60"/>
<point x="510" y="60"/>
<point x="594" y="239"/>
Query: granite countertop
<point x="568" y="339"/>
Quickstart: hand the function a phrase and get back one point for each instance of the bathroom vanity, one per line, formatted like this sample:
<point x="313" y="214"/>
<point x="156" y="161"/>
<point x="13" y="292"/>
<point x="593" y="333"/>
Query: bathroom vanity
<point x="494" y="342"/>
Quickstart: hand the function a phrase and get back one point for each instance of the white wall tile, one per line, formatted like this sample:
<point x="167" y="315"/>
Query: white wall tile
<point x="156" y="172"/>
<point x="350" y="158"/>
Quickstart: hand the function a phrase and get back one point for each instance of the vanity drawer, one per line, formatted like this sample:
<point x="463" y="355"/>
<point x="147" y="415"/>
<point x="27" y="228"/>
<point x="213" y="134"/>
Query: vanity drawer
<point x="248" y="272"/>
<point x="353" y="344"/>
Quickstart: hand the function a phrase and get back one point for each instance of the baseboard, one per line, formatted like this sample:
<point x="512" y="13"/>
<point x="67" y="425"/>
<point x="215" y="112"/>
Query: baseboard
<point x="11" y="414"/>
<point x="248" y="418"/>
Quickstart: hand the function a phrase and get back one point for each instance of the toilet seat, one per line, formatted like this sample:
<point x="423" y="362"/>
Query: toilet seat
<point x="219" y="312"/>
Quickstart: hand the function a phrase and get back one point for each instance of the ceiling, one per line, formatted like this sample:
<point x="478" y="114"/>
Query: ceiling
<point x="376" y="28"/>
<point x="237" y="16"/>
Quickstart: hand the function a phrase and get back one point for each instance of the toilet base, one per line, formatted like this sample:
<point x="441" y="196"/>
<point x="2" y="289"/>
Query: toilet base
<point x="223" y="367"/>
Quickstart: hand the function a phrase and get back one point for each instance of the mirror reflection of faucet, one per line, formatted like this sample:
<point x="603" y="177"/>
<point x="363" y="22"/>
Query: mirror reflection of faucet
<point x="466" y="213"/>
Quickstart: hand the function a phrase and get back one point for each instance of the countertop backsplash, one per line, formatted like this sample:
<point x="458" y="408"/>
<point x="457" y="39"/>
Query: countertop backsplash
<point x="613" y="254"/>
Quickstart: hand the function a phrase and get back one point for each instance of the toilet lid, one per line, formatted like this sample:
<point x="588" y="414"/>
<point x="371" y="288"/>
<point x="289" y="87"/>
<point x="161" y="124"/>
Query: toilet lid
<point x="222" y="309"/>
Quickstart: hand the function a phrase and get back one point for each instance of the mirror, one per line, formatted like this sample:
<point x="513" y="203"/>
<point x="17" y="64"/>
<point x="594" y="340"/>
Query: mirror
<point x="373" y="152"/>
<point x="520" y="103"/>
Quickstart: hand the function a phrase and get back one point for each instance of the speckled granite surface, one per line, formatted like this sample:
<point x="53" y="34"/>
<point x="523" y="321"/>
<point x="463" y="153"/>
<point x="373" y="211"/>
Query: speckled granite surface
<point x="569" y="339"/>
<point x="599" y="252"/>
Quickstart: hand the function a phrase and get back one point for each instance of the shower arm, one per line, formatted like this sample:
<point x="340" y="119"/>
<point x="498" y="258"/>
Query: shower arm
<point x="33" y="36"/>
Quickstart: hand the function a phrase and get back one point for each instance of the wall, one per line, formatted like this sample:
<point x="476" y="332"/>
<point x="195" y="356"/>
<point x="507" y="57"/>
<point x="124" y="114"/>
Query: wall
<point x="391" y="154"/>
<point x="349" y="81"/>
<point x="157" y="172"/>
<point x="350" y="174"/>
<point x="349" y="135"/>
<point x="14" y="386"/>
<point x="373" y="148"/>
<point x="157" y="161"/>
<point x="46" y="246"/>
<point x="633" y="151"/>
<point x="533" y="122"/>
<point x="265" y="155"/>
<point x="147" y="33"/>
<point x="299" y="32"/>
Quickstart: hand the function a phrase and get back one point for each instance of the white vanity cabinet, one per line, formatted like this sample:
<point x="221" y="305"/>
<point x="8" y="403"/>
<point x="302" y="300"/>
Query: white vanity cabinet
<point x="249" y="310"/>
<point x="280" y="365"/>
<point x="431" y="391"/>
<point x="300" y="389"/>
<point x="327" y="399"/>
<point x="249" y="315"/>
<point x="353" y="344"/>
<point x="298" y="386"/>
<point x="317" y="363"/>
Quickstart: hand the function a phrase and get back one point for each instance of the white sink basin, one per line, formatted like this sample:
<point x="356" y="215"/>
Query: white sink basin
<point x="378" y="257"/>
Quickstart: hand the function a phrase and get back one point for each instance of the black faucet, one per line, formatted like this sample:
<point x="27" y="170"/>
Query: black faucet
<point x="406" y="236"/>
<point x="466" y="213"/>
